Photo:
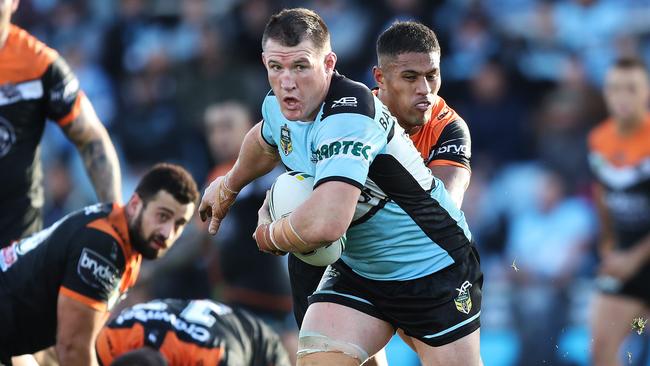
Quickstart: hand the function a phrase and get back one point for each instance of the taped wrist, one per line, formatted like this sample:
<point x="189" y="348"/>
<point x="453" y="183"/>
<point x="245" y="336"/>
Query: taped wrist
<point x="263" y="238"/>
<point x="225" y="185"/>
<point x="280" y="235"/>
<point x="225" y="196"/>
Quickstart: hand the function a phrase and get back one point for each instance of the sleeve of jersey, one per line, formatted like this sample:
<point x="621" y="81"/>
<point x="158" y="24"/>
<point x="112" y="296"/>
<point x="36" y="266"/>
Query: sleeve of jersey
<point x="454" y="146"/>
<point x="62" y="92"/>
<point x="95" y="265"/>
<point x="345" y="146"/>
<point x="594" y="159"/>
<point x="267" y="133"/>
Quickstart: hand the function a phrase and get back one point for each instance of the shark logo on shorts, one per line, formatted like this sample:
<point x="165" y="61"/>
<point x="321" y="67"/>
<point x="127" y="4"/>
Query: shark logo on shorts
<point x="464" y="300"/>
<point x="328" y="279"/>
<point x="285" y="140"/>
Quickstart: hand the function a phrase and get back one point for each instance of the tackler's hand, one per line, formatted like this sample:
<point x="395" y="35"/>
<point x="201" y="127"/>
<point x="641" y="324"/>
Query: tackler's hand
<point x="216" y="201"/>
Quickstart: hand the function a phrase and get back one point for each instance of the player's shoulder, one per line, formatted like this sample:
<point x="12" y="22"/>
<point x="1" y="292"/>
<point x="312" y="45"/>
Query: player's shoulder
<point x="271" y="108"/>
<point x="97" y="261"/>
<point x="348" y="96"/>
<point x="98" y="235"/>
<point x="445" y="121"/>
<point x="269" y="101"/>
<point x="35" y="56"/>
<point x="76" y="222"/>
<point x="602" y="134"/>
<point x="444" y="115"/>
<point x="106" y="224"/>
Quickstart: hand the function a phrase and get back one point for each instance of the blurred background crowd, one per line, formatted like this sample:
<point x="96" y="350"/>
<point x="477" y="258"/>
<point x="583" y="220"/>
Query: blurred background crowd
<point x="182" y="81"/>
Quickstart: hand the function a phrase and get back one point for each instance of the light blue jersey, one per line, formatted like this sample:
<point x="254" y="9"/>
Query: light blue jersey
<point x="405" y="225"/>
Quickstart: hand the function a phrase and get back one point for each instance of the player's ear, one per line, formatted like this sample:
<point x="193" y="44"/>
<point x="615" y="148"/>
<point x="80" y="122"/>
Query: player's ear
<point x="330" y="62"/>
<point x="263" y="59"/>
<point x="378" y="74"/>
<point x="134" y="204"/>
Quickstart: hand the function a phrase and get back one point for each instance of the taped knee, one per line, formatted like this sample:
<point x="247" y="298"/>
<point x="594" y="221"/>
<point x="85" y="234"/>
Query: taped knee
<point x="312" y="342"/>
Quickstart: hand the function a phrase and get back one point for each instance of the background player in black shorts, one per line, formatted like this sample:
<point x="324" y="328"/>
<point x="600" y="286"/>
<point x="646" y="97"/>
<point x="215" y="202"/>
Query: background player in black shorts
<point x="36" y="84"/>
<point x="192" y="332"/>
<point x="620" y="157"/>
<point x="262" y="286"/>
<point x="57" y="285"/>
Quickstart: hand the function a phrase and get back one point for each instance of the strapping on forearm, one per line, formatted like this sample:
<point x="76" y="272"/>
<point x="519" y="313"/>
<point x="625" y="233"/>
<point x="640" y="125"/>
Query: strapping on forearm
<point x="280" y="235"/>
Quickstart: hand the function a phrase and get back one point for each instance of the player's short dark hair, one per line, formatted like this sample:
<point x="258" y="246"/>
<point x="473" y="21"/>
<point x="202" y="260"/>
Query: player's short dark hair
<point x="628" y="63"/>
<point x="405" y="37"/>
<point x="141" y="357"/>
<point x="292" y="26"/>
<point x="171" y="178"/>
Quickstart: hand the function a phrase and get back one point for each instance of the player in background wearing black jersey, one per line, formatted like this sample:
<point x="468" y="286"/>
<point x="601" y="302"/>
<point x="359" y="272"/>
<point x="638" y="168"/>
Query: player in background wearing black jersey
<point x="619" y="157"/>
<point x="57" y="286"/>
<point x="190" y="332"/>
<point x="37" y="85"/>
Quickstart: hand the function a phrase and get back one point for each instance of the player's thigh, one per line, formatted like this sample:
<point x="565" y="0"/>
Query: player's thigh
<point x="610" y="320"/>
<point x="334" y="328"/>
<point x="465" y="351"/>
<point x="304" y="279"/>
<point x="440" y="308"/>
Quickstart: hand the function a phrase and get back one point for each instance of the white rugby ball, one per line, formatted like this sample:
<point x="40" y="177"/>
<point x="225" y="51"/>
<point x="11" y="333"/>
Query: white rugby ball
<point x="288" y="192"/>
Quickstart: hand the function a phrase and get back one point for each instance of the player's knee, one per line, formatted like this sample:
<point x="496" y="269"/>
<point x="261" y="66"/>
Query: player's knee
<point x="318" y="349"/>
<point x="327" y="359"/>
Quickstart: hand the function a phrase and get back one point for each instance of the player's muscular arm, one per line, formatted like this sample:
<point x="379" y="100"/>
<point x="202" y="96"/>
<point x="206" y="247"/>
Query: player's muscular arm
<point x="456" y="180"/>
<point x="450" y="159"/>
<point x="97" y="152"/>
<point x="327" y="214"/>
<point x="320" y="220"/>
<point x="77" y="328"/>
<point x="255" y="159"/>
